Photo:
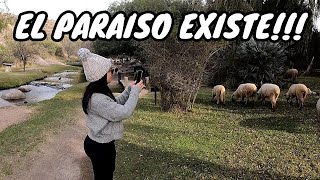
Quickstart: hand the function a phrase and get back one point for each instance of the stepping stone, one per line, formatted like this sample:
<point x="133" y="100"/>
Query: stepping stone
<point x="13" y="94"/>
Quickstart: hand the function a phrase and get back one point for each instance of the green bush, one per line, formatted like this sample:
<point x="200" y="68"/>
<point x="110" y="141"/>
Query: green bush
<point x="59" y="52"/>
<point x="5" y="55"/>
<point x="3" y="24"/>
<point x="49" y="46"/>
<point x="255" y="62"/>
<point x="260" y="62"/>
<point x="109" y="48"/>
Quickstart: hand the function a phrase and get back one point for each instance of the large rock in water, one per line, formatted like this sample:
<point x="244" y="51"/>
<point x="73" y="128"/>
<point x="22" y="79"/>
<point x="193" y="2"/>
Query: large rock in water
<point x="25" y="88"/>
<point x="13" y="94"/>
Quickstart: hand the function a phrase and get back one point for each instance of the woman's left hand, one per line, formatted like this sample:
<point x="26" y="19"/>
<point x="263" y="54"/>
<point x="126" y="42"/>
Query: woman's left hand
<point x="140" y="85"/>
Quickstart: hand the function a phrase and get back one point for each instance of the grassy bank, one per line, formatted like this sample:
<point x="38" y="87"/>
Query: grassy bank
<point x="231" y="142"/>
<point x="19" y="77"/>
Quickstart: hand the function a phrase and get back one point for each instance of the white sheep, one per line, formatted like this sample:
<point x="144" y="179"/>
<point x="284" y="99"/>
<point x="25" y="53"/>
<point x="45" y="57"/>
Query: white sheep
<point x="218" y="94"/>
<point x="270" y="91"/>
<point x="298" y="91"/>
<point x="247" y="90"/>
<point x="318" y="109"/>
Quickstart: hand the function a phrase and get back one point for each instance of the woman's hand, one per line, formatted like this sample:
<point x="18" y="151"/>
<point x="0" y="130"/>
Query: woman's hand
<point x="140" y="85"/>
<point x="133" y="83"/>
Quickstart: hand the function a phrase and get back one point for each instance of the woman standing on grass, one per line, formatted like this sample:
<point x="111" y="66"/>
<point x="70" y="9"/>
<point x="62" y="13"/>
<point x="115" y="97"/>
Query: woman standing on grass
<point x="104" y="113"/>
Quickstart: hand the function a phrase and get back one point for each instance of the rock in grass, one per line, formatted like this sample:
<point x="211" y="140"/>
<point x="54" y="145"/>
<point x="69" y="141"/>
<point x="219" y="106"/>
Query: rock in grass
<point x="25" y="88"/>
<point x="13" y="94"/>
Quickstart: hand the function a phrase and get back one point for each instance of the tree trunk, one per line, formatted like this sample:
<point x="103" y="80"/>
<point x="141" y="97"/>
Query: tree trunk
<point x="24" y="65"/>
<point x="173" y="100"/>
<point x="165" y="100"/>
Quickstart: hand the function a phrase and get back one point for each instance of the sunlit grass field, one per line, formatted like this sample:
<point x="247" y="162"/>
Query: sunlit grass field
<point x="18" y="77"/>
<point x="211" y="142"/>
<point x="215" y="142"/>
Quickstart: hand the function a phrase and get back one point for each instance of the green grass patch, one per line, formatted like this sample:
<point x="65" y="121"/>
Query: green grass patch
<point x="212" y="142"/>
<point x="312" y="82"/>
<point x="18" y="77"/>
<point x="78" y="64"/>
<point x="58" y="68"/>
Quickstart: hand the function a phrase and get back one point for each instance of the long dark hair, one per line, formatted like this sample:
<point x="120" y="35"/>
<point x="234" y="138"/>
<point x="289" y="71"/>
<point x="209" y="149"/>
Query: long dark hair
<point x="100" y="86"/>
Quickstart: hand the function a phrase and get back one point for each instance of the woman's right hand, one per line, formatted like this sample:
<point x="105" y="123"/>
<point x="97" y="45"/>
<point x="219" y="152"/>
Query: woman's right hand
<point x="140" y="85"/>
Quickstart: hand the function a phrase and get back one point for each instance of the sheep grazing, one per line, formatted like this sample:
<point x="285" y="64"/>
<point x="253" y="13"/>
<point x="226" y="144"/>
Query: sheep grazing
<point x="247" y="90"/>
<point x="300" y="92"/>
<point x="291" y="74"/>
<point x="270" y="91"/>
<point x="218" y="94"/>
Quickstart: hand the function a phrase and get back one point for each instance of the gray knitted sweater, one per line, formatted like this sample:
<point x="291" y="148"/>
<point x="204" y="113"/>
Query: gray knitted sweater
<point x="104" y="118"/>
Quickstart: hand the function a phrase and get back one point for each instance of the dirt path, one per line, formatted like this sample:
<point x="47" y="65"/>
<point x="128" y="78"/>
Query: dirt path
<point x="13" y="115"/>
<point x="61" y="157"/>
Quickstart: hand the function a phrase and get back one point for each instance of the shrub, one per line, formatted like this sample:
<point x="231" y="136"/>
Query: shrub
<point x="5" y="55"/>
<point x="49" y="46"/>
<point x="59" y="52"/>
<point x="255" y="62"/>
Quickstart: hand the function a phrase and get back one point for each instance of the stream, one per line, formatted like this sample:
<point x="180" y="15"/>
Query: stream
<point x="43" y="89"/>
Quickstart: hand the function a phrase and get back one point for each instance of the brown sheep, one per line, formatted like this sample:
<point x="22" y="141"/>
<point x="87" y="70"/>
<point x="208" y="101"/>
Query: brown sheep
<point x="291" y="74"/>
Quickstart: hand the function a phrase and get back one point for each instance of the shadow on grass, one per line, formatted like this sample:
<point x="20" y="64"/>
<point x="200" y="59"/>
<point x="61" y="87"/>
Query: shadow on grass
<point x="236" y="107"/>
<point x="286" y="118"/>
<point x="136" y="162"/>
<point x="147" y="129"/>
<point x="259" y="107"/>
<point x="147" y="105"/>
<point x="288" y="124"/>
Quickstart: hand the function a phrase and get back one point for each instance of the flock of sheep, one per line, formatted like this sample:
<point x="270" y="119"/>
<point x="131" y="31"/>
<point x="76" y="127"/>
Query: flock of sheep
<point x="248" y="92"/>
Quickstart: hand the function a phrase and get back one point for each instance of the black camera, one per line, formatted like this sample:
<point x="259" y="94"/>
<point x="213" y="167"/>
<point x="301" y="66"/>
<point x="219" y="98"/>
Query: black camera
<point x="138" y="76"/>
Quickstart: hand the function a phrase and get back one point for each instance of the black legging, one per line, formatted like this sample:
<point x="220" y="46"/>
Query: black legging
<point x="103" y="156"/>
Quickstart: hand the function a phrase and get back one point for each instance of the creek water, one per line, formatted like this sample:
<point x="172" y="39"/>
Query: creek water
<point x="43" y="89"/>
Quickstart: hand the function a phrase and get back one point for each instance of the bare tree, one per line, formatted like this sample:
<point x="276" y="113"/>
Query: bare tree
<point x="71" y="47"/>
<point x="309" y="68"/>
<point x="177" y="69"/>
<point x="23" y="51"/>
<point x="316" y="15"/>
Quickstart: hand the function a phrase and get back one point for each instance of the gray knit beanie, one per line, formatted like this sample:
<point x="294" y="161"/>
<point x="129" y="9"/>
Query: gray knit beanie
<point x="94" y="66"/>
